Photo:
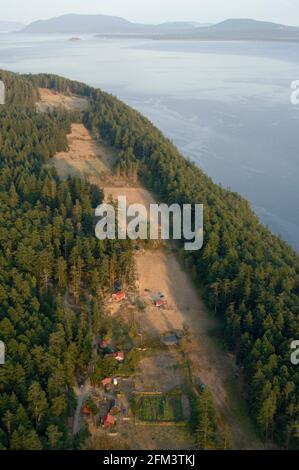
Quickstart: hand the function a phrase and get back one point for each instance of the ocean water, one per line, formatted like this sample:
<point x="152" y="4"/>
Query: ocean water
<point x="226" y="105"/>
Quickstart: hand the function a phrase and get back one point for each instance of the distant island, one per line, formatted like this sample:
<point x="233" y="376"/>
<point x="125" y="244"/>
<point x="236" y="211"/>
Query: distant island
<point x="245" y="29"/>
<point x="102" y="25"/>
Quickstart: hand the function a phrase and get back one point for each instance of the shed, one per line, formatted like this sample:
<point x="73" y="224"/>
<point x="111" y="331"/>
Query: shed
<point x="106" y="381"/>
<point x="86" y="411"/>
<point x="119" y="296"/>
<point x="170" y="340"/>
<point x="119" y="356"/>
<point x="109" y="421"/>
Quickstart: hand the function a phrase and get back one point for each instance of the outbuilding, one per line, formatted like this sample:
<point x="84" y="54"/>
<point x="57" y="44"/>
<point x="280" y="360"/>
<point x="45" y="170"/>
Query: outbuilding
<point x="119" y="296"/>
<point x="109" y="420"/>
<point x="160" y="303"/>
<point x="106" y="381"/>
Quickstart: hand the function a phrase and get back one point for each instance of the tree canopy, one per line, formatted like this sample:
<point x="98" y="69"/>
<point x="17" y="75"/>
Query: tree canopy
<point x="50" y="264"/>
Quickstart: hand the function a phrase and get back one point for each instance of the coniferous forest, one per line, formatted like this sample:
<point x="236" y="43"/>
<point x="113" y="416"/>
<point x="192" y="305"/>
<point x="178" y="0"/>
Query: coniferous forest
<point x="250" y="277"/>
<point x="48" y="252"/>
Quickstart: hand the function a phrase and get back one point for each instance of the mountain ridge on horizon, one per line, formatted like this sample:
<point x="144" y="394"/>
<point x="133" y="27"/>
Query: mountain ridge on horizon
<point x="229" y="29"/>
<point x="76" y="23"/>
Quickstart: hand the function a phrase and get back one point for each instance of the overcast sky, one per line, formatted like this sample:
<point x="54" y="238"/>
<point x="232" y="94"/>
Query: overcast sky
<point x="155" y="11"/>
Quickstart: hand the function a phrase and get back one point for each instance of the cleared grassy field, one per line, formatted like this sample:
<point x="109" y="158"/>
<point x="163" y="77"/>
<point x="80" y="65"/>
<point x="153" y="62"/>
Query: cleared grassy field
<point x="159" y="408"/>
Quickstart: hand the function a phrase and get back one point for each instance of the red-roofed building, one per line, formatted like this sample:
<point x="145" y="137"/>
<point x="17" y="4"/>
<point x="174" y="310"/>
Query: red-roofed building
<point x="119" y="296"/>
<point x="86" y="411"/>
<point x="106" y="381"/>
<point x="119" y="356"/>
<point x="109" y="421"/>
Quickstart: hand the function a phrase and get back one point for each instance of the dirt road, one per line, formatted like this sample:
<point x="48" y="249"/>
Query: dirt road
<point x="81" y="398"/>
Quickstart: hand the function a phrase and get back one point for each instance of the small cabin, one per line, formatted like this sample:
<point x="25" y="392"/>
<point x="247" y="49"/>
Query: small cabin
<point x="109" y="420"/>
<point x="119" y="356"/>
<point x="170" y="340"/>
<point x="119" y="296"/>
<point x="86" y="411"/>
<point x="106" y="381"/>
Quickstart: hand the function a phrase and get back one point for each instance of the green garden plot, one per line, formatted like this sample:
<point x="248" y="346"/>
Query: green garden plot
<point x="160" y="408"/>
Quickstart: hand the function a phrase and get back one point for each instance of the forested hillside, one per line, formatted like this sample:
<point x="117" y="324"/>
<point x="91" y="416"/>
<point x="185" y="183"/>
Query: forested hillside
<point x="50" y="264"/>
<point x="251" y="277"/>
<point x="19" y="91"/>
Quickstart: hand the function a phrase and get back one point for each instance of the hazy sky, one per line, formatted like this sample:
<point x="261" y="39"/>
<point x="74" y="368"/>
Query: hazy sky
<point x="155" y="11"/>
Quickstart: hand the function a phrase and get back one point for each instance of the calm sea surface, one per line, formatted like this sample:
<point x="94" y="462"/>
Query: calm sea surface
<point x="225" y="105"/>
